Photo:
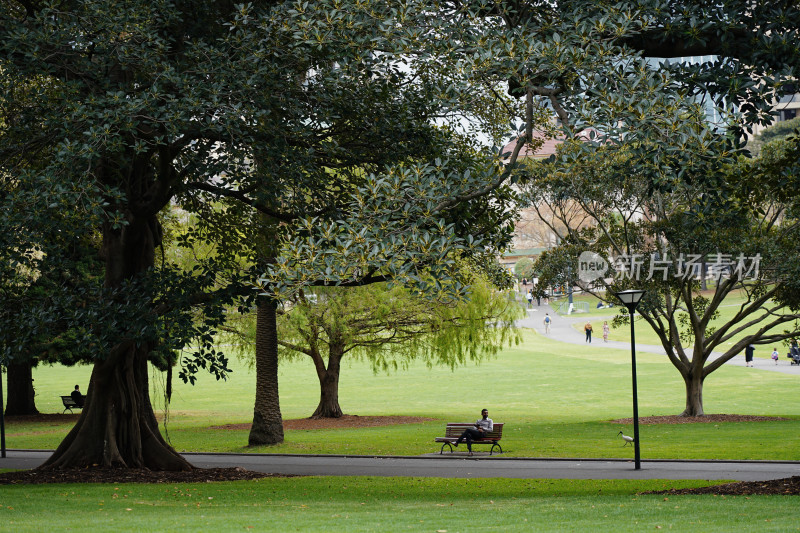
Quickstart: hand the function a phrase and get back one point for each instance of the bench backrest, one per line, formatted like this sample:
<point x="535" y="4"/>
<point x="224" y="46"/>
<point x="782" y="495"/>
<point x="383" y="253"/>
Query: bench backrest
<point x="456" y="429"/>
<point x="68" y="401"/>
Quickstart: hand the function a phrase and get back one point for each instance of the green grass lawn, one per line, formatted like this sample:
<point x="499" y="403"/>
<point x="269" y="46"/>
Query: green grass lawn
<point x="556" y="399"/>
<point x="590" y="301"/>
<point x="390" y="504"/>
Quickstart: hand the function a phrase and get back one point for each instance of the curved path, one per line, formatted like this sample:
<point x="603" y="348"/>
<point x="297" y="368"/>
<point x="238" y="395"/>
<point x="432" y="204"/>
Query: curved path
<point x="561" y="329"/>
<point x="457" y="465"/>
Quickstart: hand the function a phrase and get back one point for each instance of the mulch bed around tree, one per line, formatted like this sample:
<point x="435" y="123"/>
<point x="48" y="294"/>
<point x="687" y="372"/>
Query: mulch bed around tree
<point x="129" y="475"/>
<point x="705" y="419"/>
<point x="45" y="417"/>
<point x="345" y="421"/>
<point x="787" y="486"/>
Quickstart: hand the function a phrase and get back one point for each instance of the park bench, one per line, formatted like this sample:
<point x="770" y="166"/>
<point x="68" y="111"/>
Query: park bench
<point x="454" y="430"/>
<point x="69" y="404"/>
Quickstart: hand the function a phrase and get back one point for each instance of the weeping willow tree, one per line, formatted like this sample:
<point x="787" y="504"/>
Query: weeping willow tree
<point x="391" y="327"/>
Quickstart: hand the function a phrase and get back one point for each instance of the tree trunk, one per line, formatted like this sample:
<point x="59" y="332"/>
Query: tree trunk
<point x="20" y="393"/>
<point x="694" y="394"/>
<point x="267" y="425"/>
<point x="329" y="387"/>
<point x="703" y="274"/>
<point x="118" y="427"/>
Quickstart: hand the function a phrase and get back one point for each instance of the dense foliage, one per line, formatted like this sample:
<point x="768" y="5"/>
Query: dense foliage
<point x="250" y="116"/>
<point x="310" y="139"/>
<point x="392" y="327"/>
<point x="734" y="225"/>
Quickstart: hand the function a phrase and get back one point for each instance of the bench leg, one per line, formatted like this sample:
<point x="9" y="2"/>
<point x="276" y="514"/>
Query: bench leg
<point x="446" y="444"/>
<point x="498" y="447"/>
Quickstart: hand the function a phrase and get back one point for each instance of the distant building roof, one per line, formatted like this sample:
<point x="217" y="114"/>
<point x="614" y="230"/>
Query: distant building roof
<point x="547" y="148"/>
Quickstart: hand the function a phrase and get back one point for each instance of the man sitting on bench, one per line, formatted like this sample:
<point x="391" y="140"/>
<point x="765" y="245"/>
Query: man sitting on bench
<point x="794" y="353"/>
<point x="77" y="397"/>
<point x="482" y="427"/>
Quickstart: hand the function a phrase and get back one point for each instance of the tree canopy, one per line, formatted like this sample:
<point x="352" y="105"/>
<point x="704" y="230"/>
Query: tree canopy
<point x="643" y="163"/>
<point x="734" y="223"/>
<point x="253" y="116"/>
<point x="524" y="268"/>
<point x="776" y="131"/>
<point x="390" y="328"/>
<point x="324" y="127"/>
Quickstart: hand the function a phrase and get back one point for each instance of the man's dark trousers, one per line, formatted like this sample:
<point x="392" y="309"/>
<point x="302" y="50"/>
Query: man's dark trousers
<point x="470" y="435"/>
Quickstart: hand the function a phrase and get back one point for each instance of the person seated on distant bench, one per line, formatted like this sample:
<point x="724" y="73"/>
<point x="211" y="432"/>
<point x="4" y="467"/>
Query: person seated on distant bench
<point x="77" y="397"/>
<point x="794" y="353"/>
<point x="482" y="427"/>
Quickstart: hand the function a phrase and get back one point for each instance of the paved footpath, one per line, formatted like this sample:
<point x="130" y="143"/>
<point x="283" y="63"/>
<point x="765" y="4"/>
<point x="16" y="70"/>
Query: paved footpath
<point x="457" y="465"/>
<point x="562" y="329"/>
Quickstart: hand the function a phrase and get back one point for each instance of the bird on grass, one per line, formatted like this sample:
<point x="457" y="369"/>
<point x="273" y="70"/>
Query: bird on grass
<point x="626" y="438"/>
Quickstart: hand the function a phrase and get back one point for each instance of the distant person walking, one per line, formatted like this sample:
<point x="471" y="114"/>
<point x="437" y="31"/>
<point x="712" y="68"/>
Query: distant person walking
<point x="588" y="329"/>
<point x="748" y="355"/>
<point x="529" y="296"/>
<point x="775" y="355"/>
<point x="605" y="331"/>
<point x="547" y="322"/>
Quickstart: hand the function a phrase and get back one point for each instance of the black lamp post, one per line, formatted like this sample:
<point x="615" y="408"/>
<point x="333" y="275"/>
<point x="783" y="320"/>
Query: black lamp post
<point x="631" y="299"/>
<point x="2" y="418"/>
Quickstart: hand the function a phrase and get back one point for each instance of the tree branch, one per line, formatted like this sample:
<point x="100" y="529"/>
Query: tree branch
<point x="452" y="202"/>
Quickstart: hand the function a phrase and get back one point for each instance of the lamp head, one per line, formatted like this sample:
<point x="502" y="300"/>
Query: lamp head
<point x="630" y="298"/>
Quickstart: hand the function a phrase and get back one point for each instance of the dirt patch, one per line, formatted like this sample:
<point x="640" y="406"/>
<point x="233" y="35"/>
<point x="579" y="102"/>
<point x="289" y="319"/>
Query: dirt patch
<point x="344" y="422"/>
<point x="786" y="486"/>
<point x="55" y="418"/>
<point x="129" y="475"/>
<point x="705" y="419"/>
